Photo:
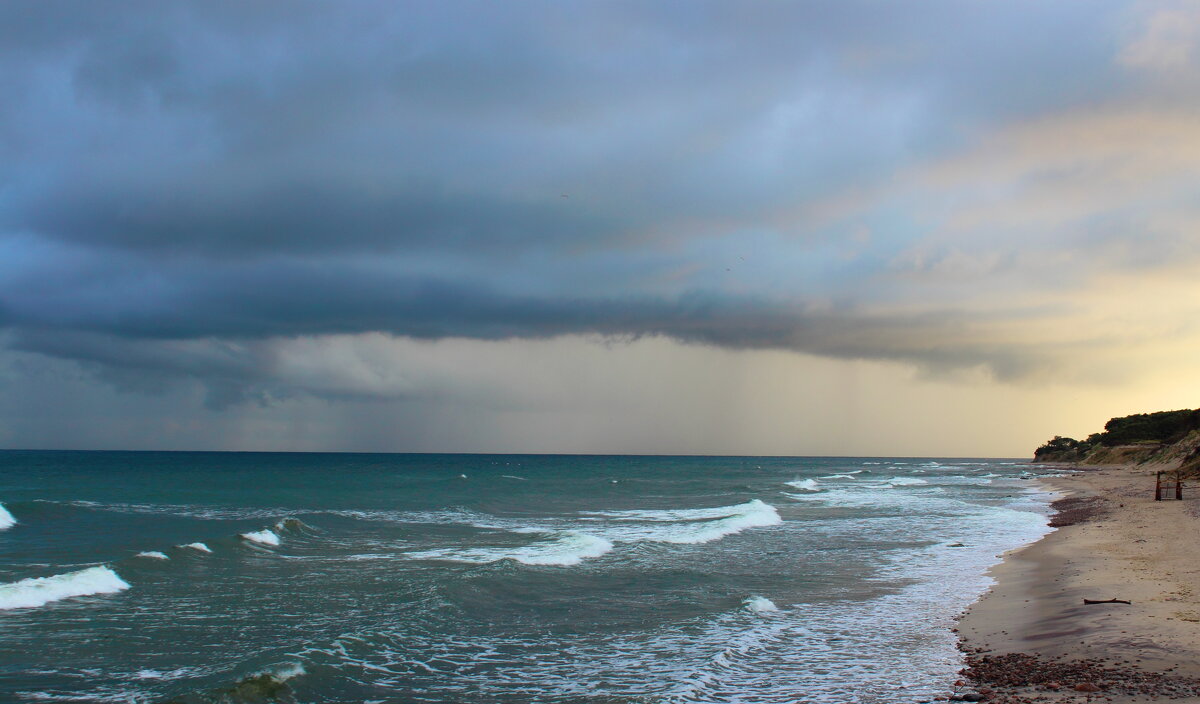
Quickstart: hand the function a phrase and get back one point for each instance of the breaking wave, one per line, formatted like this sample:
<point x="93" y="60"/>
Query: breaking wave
<point x="292" y="524"/>
<point x="262" y="537"/>
<point x="39" y="591"/>
<point x="153" y="554"/>
<point x="805" y="484"/>
<point x="6" y="518"/>
<point x="197" y="546"/>
<point x="759" y="604"/>
<point x="906" y="481"/>
<point x="690" y="526"/>
<point x="567" y="548"/>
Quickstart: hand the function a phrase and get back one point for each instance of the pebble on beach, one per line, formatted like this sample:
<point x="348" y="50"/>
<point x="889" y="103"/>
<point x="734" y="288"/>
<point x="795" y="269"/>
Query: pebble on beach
<point x="1018" y="678"/>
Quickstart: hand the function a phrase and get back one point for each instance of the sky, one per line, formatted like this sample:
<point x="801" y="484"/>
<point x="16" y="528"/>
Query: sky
<point x="770" y="228"/>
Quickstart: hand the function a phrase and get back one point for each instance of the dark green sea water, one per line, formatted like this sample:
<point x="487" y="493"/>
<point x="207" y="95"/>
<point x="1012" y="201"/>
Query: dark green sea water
<point x="152" y="577"/>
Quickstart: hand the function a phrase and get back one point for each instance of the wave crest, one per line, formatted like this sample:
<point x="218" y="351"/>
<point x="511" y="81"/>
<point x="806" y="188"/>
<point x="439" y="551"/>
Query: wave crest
<point x="759" y="604"/>
<point x="262" y="537"/>
<point x="39" y="591"/>
<point x="566" y="549"/>
<point x="690" y="526"/>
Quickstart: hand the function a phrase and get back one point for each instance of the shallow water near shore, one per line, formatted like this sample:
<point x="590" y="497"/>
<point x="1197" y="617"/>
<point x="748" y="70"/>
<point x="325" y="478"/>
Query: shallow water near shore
<point x="147" y="577"/>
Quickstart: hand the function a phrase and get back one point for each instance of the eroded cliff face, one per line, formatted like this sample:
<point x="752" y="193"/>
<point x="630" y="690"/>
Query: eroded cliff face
<point x="1166" y="440"/>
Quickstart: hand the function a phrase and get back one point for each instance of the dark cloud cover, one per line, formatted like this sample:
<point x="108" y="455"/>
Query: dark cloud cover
<point x="233" y="173"/>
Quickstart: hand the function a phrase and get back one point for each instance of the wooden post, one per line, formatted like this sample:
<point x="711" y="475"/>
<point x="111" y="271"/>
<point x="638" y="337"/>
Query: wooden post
<point x="1178" y="487"/>
<point x="1158" y="486"/>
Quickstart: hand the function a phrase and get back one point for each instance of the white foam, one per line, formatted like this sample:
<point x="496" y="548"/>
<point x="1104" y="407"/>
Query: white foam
<point x="39" y="591"/>
<point x="284" y="672"/>
<point x="197" y="546"/>
<point x="805" y="484"/>
<point x="906" y="481"/>
<point x="153" y="554"/>
<point x="6" y="518"/>
<point x="840" y="476"/>
<point x="565" y="549"/>
<point x="513" y="476"/>
<point x="690" y="526"/>
<point x="262" y="537"/>
<point x="759" y="604"/>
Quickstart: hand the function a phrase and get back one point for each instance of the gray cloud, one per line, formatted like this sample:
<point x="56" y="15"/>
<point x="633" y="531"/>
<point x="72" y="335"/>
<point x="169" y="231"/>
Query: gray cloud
<point x="181" y="184"/>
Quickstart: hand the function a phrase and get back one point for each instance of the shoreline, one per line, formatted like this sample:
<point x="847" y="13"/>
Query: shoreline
<point x="1032" y="638"/>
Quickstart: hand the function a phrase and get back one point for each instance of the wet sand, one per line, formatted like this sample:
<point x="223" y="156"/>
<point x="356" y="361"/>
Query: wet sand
<point x="1118" y="543"/>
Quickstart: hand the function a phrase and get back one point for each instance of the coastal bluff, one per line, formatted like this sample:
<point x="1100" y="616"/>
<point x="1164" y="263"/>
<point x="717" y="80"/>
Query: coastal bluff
<point x="1168" y="440"/>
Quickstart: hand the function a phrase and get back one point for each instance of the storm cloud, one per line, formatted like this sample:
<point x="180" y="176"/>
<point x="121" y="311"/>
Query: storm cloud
<point x="189" y="190"/>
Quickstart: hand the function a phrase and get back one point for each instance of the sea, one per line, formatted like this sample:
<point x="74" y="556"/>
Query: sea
<point x="198" y="578"/>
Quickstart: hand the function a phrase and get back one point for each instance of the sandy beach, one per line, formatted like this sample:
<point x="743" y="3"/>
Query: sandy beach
<point x="1032" y="637"/>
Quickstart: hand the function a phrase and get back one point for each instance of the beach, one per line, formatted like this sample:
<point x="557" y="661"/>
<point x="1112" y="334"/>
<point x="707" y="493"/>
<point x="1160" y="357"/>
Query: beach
<point x="1033" y="638"/>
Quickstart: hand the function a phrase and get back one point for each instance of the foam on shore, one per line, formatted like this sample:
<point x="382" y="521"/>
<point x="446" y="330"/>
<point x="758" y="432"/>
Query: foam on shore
<point x="39" y="591"/>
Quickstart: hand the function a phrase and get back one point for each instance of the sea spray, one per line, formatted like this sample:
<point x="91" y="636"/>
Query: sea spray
<point x="39" y="591"/>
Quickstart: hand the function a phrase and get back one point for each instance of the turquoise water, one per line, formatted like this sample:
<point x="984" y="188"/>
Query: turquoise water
<point x="147" y="577"/>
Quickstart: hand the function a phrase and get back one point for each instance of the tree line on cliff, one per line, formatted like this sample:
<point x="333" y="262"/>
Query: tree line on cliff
<point x="1151" y="431"/>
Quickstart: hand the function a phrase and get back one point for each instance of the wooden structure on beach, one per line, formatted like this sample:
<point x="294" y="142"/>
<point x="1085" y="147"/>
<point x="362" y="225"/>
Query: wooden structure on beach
<point x="1161" y="487"/>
